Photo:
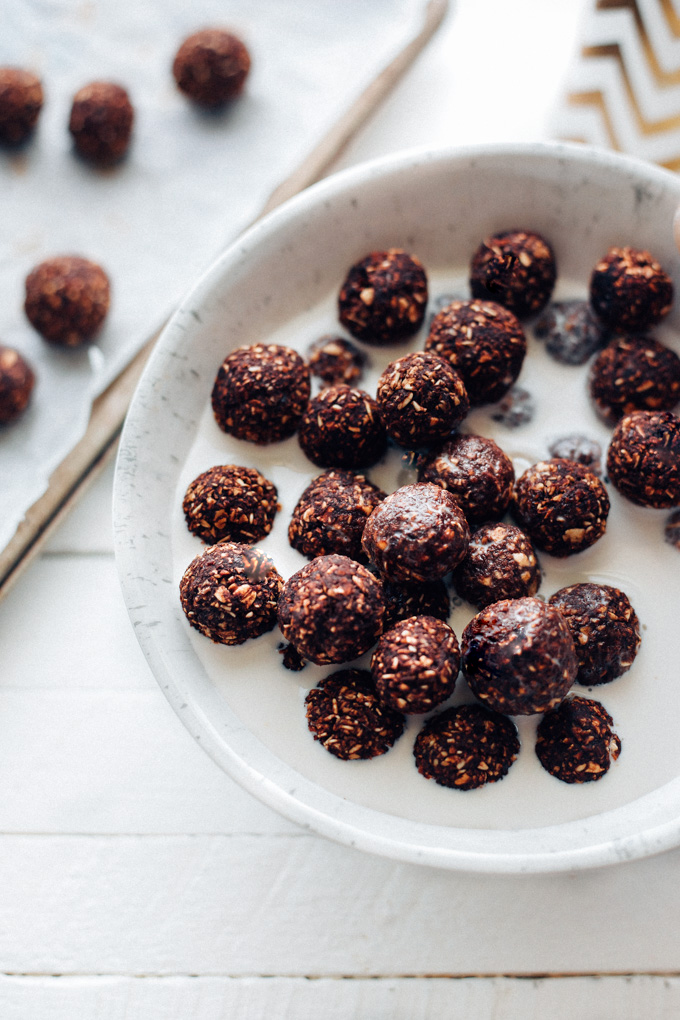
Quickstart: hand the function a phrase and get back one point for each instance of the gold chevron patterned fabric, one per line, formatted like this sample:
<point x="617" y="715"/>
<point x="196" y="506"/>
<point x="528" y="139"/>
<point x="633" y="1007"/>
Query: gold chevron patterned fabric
<point x="623" y="88"/>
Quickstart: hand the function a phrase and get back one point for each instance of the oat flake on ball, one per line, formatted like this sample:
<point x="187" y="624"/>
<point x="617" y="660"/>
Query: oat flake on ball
<point x="383" y="298"/>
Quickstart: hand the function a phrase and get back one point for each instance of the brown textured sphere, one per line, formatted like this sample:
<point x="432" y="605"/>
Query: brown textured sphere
<point x="342" y="428"/>
<point x="634" y="374"/>
<point x="476" y="472"/>
<point x="466" y="747"/>
<point x="347" y="718"/>
<point x="230" y="502"/>
<point x="331" y="514"/>
<point x="211" y="66"/>
<point x="332" y="610"/>
<point x="421" y="399"/>
<point x="575" y="741"/>
<point x="518" y="656"/>
<point x="260" y="393"/>
<point x="383" y="298"/>
<point x="336" y="360"/>
<point x="629" y="291"/>
<point x="67" y="299"/>
<point x="643" y="460"/>
<point x="16" y="385"/>
<point x="501" y="563"/>
<point x="101" y="122"/>
<point x="415" y="664"/>
<point x="517" y="269"/>
<point x="21" y="100"/>
<point x="484" y="342"/>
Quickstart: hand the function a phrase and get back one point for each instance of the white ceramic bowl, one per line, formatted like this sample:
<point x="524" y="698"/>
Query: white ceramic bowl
<point x="279" y="282"/>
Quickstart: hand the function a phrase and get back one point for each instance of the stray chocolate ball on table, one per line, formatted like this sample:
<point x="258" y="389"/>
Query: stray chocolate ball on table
<point x="260" y="393"/>
<point x="477" y="474"/>
<point x="332" y="610"/>
<point x="405" y="600"/>
<point x="230" y="502"/>
<point x="342" y="428"/>
<point x="416" y="664"/>
<point x="518" y="656"/>
<point x="16" y="385"/>
<point x="629" y="291"/>
<point x="517" y="269"/>
<point x="575" y="741"/>
<point x="211" y="67"/>
<point x="383" y="298"/>
<point x="67" y="299"/>
<point x="230" y="593"/>
<point x="21" y="100"/>
<point x="336" y="360"/>
<point x="604" y="627"/>
<point x="347" y="718"/>
<point x="501" y="563"/>
<point x="421" y="399"/>
<point x="331" y="514"/>
<point x="101" y="122"/>
<point x="484" y="342"/>
<point x="561" y="505"/>
<point x="416" y="535"/>
<point x="643" y="460"/>
<point x="634" y="373"/>
<point x="466" y="747"/>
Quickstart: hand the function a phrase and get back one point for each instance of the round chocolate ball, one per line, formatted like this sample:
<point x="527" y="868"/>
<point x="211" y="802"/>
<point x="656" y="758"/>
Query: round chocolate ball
<point x="21" y="100"/>
<point x="332" y="610"/>
<point x="517" y="269"/>
<point x="476" y="472"/>
<point x="415" y="664"/>
<point x="629" y="291"/>
<point x="466" y="747"/>
<point x="500" y="564"/>
<point x="347" y="718"/>
<point x="230" y="502"/>
<point x="211" y="66"/>
<point x="230" y="593"/>
<point x="342" y="428"/>
<point x="16" y="385"/>
<point x="518" y="656"/>
<point x="634" y="373"/>
<point x="580" y="448"/>
<point x="405" y="600"/>
<point x="101" y="122"/>
<point x="260" y="393"/>
<point x="572" y="332"/>
<point x="383" y="298"/>
<point x="561" y="505"/>
<point x="335" y="361"/>
<point x="67" y="299"/>
<point x="484" y="342"/>
<point x="604" y="627"/>
<point x="421" y="399"/>
<point x="331" y="514"/>
<point x="575" y="741"/>
<point x="643" y="460"/>
<point x="417" y="535"/>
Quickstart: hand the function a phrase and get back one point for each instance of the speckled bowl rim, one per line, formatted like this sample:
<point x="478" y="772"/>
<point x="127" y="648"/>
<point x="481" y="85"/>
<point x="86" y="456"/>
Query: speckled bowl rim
<point x="644" y="827"/>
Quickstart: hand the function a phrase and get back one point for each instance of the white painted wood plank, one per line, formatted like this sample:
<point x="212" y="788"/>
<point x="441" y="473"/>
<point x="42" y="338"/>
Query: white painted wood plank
<point x="185" y="998"/>
<point x="301" y="906"/>
<point x="88" y="527"/>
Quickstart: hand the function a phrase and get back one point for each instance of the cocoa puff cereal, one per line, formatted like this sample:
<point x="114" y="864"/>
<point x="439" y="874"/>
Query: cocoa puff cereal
<point x="517" y="269"/>
<point x="211" y="67"/>
<point x="16" y="384"/>
<point x="634" y="373"/>
<point x="101" y="122"/>
<point x="21" y="100"/>
<point x="629" y="291"/>
<point x="572" y="332"/>
<point x="501" y="563"/>
<point x="347" y="718"/>
<point x="342" y="428"/>
<point x="67" y="299"/>
<point x="643" y="460"/>
<point x="335" y="361"/>
<point x="331" y="514"/>
<point x="230" y="502"/>
<point x="476" y="472"/>
<point x="415" y="664"/>
<point x="383" y="298"/>
<point x="575" y="741"/>
<point x="466" y="747"/>
<point x="421" y="399"/>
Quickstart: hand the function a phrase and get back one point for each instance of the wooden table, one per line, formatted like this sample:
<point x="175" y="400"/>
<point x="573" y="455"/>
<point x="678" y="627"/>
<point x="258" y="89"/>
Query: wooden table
<point x="140" y="883"/>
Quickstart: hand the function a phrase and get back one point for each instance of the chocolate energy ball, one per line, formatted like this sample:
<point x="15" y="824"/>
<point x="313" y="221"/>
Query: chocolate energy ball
<point x="421" y="399"/>
<point x="604" y="627"/>
<point x="417" y="535"/>
<point x="101" y="122"/>
<point x="518" y="656"/>
<point x="211" y="67"/>
<point x="643" y="460"/>
<point x="331" y="514"/>
<point x="575" y="741"/>
<point x="336" y="360"/>
<point x="466" y="747"/>
<point x="230" y="502"/>
<point x="517" y="269"/>
<point x="484" y="342"/>
<point x="500" y="564"/>
<point x="67" y="299"/>
<point x="342" y="428"/>
<point x="383" y="298"/>
<point x="21" y="100"/>
<point x="561" y="505"/>
<point x="230" y="593"/>
<point x="476" y="472"/>
<point x="629" y="291"/>
<point x="416" y="664"/>
<point x="332" y="610"/>
<point x="634" y="373"/>
<point x="405" y="600"/>
<point x="580" y="448"/>
<point x="572" y="331"/>
<point x="347" y="718"/>
<point x="16" y="385"/>
<point x="260" y="393"/>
